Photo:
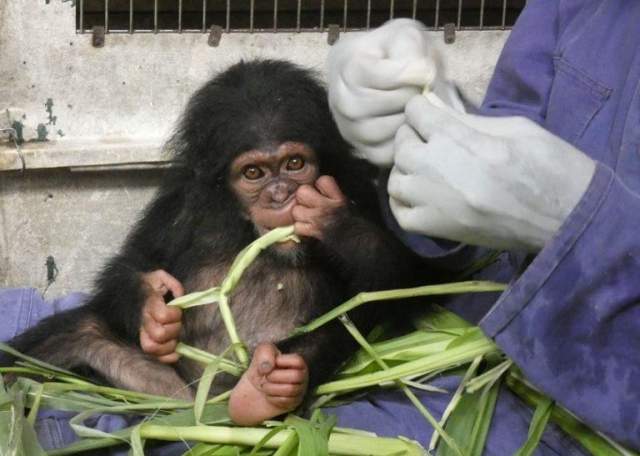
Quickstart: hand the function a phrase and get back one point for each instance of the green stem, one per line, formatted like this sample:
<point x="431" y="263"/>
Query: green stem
<point x="339" y="444"/>
<point x="428" y="290"/>
<point x="588" y="438"/>
<point x="357" y="335"/>
<point x="455" y="400"/>
<point x="205" y="358"/>
<point x="461" y="354"/>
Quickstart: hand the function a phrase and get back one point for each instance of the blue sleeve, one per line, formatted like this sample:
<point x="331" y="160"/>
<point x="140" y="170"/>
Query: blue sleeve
<point x="571" y="322"/>
<point x="522" y="80"/>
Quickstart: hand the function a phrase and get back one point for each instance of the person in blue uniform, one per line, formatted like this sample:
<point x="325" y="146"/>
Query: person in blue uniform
<point x="548" y="167"/>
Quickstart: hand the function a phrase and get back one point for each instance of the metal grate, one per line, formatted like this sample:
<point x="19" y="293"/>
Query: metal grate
<point x="179" y="16"/>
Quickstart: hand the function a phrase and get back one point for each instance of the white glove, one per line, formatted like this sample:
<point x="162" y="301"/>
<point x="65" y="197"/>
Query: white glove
<point x="371" y="78"/>
<point x="500" y="182"/>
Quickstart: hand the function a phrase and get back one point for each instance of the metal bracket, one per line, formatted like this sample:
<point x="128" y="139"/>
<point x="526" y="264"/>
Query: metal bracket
<point x="215" y="35"/>
<point x="449" y="33"/>
<point x="334" y="34"/>
<point x="97" y="37"/>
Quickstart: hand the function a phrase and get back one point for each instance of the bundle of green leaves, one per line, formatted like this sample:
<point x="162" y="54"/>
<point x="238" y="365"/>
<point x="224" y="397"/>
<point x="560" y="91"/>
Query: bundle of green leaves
<point x="441" y="344"/>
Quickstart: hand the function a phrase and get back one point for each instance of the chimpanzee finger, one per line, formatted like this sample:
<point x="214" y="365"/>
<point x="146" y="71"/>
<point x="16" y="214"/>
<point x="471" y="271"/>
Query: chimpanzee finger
<point x="154" y="348"/>
<point x="309" y="196"/>
<point x="169" y="359"/>
<point x="171" y="283"/>
<point x="291" y="376"/>
<point x="306" y="230"/>
<point x="164" y="314"/>
<point x="283" y="389"/>
<point x="160" y="333"/>
<point x="264" y="358"/>
<point x="328" y="187"/>
<point x="163" y="282"/>
<point x="291" y="361"/>
<point x="304" y="214"/>
<point x="284" y="403"/>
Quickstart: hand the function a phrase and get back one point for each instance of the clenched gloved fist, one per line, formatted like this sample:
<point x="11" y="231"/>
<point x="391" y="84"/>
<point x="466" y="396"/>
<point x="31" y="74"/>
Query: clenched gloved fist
<point x="371" y="78"/>
<point x="500" y="182"/>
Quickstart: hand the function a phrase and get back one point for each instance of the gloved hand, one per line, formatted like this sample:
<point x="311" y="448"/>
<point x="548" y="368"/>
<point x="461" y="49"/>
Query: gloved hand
<point x="500" y="182"/>
<point x="371" y="78"/>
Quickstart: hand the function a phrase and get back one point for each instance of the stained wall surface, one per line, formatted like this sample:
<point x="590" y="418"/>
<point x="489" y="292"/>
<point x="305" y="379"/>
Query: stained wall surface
<point x="94" y="120"/>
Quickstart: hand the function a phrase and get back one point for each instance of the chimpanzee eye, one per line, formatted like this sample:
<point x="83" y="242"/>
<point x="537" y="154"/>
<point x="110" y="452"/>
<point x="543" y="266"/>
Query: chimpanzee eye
<point x="295" y="163"/>
<point x="252" y="172"/>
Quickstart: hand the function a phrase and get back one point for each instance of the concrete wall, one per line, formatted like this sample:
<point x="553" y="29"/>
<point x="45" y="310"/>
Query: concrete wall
<point x="92" y="116"/>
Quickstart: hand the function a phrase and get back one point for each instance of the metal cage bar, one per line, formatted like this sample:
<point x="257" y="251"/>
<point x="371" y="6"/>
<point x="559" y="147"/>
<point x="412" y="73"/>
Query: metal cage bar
<point x="345" y="15"/>
<point x="81" y="19"/>
<point x="155" y="16"/>
<point x="132" y="17"/>
<point x="504" y="13"/>
<point x="106" y="16"/>
<point x="252" y="11"/>
<point x="204" y="16"/>
<point x="275" y="16"/>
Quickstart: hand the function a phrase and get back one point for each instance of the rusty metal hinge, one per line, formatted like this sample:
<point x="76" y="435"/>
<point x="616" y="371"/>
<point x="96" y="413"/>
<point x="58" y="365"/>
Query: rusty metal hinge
<point x="334" y="34"/>
<point x="449" y="33"/>
<point x="98" y="36"/>
<point x="215" y="35"/>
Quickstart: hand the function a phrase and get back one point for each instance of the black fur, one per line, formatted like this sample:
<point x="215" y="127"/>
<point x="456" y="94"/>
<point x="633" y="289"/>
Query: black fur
<point x="194" y="226"/>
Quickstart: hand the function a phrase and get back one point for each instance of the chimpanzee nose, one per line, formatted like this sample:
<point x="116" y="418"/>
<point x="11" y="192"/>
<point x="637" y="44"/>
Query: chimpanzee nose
<point x="280" y="192"/>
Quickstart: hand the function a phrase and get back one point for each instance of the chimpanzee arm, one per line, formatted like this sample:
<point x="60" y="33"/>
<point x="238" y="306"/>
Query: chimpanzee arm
<point x="154" y="243"/>
<point x="369" y="257"/>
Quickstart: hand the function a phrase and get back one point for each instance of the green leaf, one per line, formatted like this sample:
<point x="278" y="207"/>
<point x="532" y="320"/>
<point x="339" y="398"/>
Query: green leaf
<point x="470" y="420"/>
<point x="137" y="444"/>
<point x="312" y="439"/>
<point x="204" y="385"/>
<point x="536" y="428"/>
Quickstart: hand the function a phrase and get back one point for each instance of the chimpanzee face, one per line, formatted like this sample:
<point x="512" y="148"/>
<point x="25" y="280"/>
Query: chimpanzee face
<point x="265" y="181"/>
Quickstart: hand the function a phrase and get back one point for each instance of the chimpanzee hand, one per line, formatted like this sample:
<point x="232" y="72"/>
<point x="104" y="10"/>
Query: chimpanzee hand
<point x="161" y="324"/>
<point x="318" y="208"/>
<point x="272" y="385"/>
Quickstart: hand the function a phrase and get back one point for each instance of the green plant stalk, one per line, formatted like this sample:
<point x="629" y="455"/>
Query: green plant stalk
<point x="249" y="254"/>
<point x="536" y="427"/>
<point x="197" y="298"/>
<point x="288" y="446"/>
<point x="461" y="354"/>
<point x="455" y="399"/>
<point x="221" y="294"/>
<point x="357" y="335"/>
<point x="115" y="392"/>
<point x="414" y="345"/>
<point x="227" y="318"/>
<point x="594" y="442"/>
<point x="490" y="376"/>
<point x="339" y="444"/>
<point x="480" y="431"/>
<point x="428" y="290"/>
<point x="205" y="358"/>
